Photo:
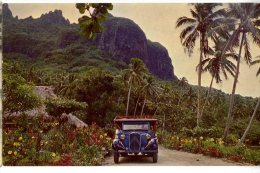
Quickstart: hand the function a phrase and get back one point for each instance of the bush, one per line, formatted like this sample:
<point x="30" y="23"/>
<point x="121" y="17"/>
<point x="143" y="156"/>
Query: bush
<point x="87" y="155"/>
<point x="232" y="139"/>
<point x="53" y="141"/>
<point x="56" y="107"/>
<point x="18" y="94"/>
<point x="198" y="132"/>
<point x="209" y="146"/>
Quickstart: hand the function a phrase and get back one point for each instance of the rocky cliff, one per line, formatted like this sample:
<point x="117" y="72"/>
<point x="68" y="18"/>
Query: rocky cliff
<point x="125" y="39"/>
<point x="122" y="38"/>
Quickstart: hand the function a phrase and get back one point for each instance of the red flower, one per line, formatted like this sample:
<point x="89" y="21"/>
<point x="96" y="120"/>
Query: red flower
<point x="235" y="158"/>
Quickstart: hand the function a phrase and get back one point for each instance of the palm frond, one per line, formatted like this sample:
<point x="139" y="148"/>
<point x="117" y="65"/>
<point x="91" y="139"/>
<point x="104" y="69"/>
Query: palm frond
<point x="248" y="56"/>
<point x="230" y="42"/>
<point x="184" y="20"/>
<point x="257" y="61"/>
<point x="230" y="67"/>
<point x="257" y="22"/>
<point x="185" y="31"/>
<point x="203" y="63"/>
<point x="194" y="14"/>
<point x="189" y="42"/>
<point x="258" y="72"/>
<point x="224" y="72"/>
<point x="232" y="55"/>
<point x="219" y="13"/>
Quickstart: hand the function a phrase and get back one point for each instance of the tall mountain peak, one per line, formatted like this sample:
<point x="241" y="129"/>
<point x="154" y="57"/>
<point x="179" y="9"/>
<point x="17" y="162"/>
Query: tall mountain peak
<point x="7" y="13"/>
<point x="54" y="17"/>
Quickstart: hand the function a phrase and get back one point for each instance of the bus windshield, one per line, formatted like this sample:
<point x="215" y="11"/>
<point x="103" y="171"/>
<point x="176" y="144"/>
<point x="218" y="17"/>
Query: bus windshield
<point x="135" y="126"/>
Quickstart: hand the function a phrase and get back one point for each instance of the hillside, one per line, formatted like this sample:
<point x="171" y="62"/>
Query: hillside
<point x="112" y="49"/>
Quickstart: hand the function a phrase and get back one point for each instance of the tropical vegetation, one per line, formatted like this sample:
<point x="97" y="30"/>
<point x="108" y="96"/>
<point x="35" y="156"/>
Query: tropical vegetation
<point x="93" y="85"/>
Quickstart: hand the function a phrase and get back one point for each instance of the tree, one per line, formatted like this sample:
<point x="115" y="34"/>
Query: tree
<point x="138" y="92"/>
<point x="58" y="106"/>
<point x="97" y="89"/>
<point x="69" y="86"/>
<point x="91" y="24"/>
<point x="217" y="65"/>
<point x="150" y="91"/>
<point x="241" y="141"/>
<point x="183" y="82"/>
<point x="250" y="123"/>
<point x="204" y="18"/>
<point x="18" y="95"/>
<point x="247" y="25"/>
<point x="135" y="75"/>
<point x="257" y="61"/>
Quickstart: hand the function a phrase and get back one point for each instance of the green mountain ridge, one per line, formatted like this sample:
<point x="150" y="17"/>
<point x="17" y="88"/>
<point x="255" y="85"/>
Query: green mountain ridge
<point x="38" y="37"/>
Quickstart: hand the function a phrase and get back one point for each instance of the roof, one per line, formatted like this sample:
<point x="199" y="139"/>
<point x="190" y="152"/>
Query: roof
<point x="134" y="118"/>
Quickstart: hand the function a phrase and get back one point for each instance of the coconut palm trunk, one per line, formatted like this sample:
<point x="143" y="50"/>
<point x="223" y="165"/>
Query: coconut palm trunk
<point x="208" y="94"/>
<point x="143" y="105"/>
<point x="155" y="111"/>
<point x="199" y="79"/>
<point x="136" y="104"/>
<point x="128" y="97"/>
<point x="250" y="123"/>
<point x="231" y="103"/>
<point x="163" y="123"/>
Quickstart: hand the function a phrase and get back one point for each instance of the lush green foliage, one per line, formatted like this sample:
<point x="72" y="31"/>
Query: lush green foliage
<point x="18" y="94"/>
<point x="90" y="24"/>
<point x="96" y="88"/>
<point x="56" y="107"/>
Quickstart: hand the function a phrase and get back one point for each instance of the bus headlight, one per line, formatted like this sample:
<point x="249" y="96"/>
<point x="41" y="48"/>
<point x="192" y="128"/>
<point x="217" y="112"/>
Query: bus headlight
<point x="122" y="136"/>
<point x="148" y="136"/>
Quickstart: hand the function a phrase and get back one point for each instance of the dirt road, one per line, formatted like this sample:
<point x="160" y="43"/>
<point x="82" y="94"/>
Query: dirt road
<point x="169" y="157"/>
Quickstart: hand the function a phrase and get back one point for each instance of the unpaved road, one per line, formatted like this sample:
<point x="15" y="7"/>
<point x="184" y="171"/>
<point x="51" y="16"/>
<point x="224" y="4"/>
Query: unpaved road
<point x="169" y="157"/>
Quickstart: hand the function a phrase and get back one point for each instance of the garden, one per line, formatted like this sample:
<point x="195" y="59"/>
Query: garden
<point x="202" y="141"/>
<point x="52" y="141"/>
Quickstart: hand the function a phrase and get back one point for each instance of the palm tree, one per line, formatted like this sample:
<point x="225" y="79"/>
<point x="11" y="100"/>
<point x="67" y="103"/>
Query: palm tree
<point x="136" y="71"/>
<point x="204" y="18"/>
<point x="241" y="141"/>
<point x="71" y="84"/>
<point x="257" y="61"/>
<point x="138" y="92"/>
<point x="247" y="25"/>
<point x="150" y="90"/>
<point x="183" y="82"/>
<point x="217" y="65"/>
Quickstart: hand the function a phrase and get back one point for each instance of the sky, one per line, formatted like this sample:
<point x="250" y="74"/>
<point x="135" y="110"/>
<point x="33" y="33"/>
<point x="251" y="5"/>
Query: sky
<point x="158" y="22"/>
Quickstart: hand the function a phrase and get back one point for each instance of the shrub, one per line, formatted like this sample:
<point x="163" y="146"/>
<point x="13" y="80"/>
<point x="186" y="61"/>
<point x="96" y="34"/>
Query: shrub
<point x="209" y="146"/>
<point x="52" y="141"/>
<point x="56" y="107"/>
<point x="87" y="155"/>
<point x="18" y="94"/>
<point x="198" y="132"/>
<point x="232" y="139"/>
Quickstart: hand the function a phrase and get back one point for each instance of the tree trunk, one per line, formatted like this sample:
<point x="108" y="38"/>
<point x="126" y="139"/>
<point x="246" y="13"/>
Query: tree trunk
<point x="89" y="117"/>
<point x="128" y="97"/>
<point x="250" y="123"/>
<point x="210" y="87"/>
<point x="155" y="110"/>
<point x="231" y="103"/>
<point x="143" y="105"/>
<point x="136" y="104"/>
<point x="199" y="79"/>
<point x="163" y="123"/>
